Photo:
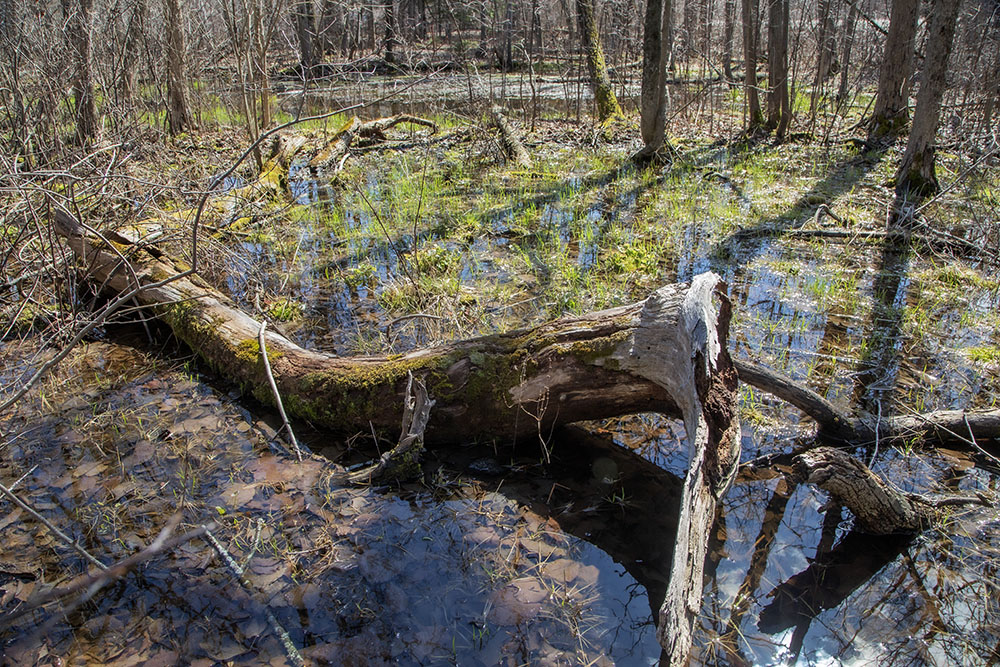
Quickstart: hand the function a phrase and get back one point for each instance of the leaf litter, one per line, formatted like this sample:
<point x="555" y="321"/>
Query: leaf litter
<point x="352" y="574"/>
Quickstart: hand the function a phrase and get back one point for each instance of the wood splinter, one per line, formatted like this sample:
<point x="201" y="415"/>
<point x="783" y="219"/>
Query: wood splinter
<point x="403" y="460"/>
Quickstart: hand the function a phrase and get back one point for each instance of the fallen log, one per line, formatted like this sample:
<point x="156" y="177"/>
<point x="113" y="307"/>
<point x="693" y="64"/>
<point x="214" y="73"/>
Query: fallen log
<point x="270" y="185"/>
<point x="510" y="140"/>
<point x="495" y="387"/>
<point x="942" y="426"/>
<point x="330" y="155"/>
<point x="878" y="508"/>
<point x="665" y="354"/>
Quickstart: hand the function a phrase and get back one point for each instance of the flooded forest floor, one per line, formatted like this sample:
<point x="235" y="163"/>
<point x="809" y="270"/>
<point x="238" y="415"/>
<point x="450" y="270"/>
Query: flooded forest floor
<point x="554" y="549"/>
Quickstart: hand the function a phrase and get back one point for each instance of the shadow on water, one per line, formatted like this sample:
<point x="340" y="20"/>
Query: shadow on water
<point x="829" y="580"/>
<point x="598" y="491"/>
<point x="735" y="252"/>
<point x="879" y="365"/>
<point x="500" y="558"/>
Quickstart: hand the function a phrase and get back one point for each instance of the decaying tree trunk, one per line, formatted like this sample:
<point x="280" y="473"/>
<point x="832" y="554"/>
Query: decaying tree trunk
<point x="493" y="387"/>
<point x="329" y="158"/>
<point x="665" y="354"/>
<point x="694" y="361"/>
<point x="878" y="508"/>
<point x="402" y="461"/>
<point x="510" y="139"/>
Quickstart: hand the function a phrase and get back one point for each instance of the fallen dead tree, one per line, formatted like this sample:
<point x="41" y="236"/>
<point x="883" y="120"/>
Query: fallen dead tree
<point x="498" y="387"/>
<point x="271" y="185"/>
<point x="329" y="158"/>
<point x="665" y="354"/>
<point x="510" y="140"/>
<point x="942" y="426"/>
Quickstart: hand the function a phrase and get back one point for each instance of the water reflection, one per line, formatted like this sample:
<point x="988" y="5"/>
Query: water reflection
<point x="450" y="571"/>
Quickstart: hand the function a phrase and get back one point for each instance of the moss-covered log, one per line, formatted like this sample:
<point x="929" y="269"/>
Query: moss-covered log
<point x="328" y="159"/>
<point x="270" y="185"/>
<point x="495" y="387"/>
<point x="665" y="354"/>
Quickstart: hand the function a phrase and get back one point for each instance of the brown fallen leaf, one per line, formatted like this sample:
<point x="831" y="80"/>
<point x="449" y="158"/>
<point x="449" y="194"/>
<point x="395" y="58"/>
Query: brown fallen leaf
<point x="563" y="570"/>
<point x="89" y="469"/>
<point x="264" y="572"/>
<point x="238" y="494"/>
<point x="518" y="601"/>
<point x="10" y="517"/>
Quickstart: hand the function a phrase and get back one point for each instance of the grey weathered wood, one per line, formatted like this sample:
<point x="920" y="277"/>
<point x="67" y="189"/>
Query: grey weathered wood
<point x="878" y="508"/>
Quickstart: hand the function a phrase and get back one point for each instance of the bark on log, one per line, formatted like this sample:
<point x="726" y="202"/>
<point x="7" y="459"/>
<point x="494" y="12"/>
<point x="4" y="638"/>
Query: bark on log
<point x="510" y="139"/>
<point x="665" y="354"/>
<point x="709" y="384"/>
<point x="943" y="426"/>
<point x="878" y="508"/>
<point x="340" y="142"/>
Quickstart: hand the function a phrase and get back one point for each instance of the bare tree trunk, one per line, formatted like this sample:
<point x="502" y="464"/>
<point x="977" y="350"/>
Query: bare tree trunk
<point x="728" y="18"/>
<point x="751" y="39"/>
<point x="604" y="95"/>
<point x="845" y="59"/>
<point x="328" y="18"/>
<point x="826" y="54"/>
<point x="505" y="47"/>
<point x="391" y="32"/>
<point x="916" y="171"/>
<point x="260" y="37"/>
<point x="178" y="104"/>
<point x="79" y="26"/>
<point x="827" y="57"/>
<point x="305" y="31"/>
<point x="11" y="55"/>
<point x="893" y="95"/>
<point x="135" y="34"/>
<point x="688" y="19"/>
<point x="778" y="108"/>
<point x="705" y="20"/>
<point x="653" y="101"/>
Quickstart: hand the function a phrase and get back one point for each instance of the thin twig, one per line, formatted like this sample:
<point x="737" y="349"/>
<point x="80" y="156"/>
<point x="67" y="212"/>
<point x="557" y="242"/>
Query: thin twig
<point x="972" y="439"/>
<point x="274" y="389"/>
<point x="95" y="581"/>
<point x="290" y="650"/>
<point x="22" y="478"/>
<point x="63" y="537"/>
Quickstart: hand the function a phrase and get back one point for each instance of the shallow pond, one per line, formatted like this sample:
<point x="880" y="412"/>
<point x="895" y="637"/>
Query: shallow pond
<point x="543" y="553"/>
